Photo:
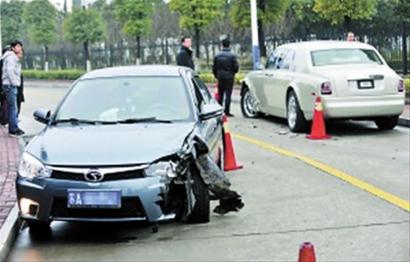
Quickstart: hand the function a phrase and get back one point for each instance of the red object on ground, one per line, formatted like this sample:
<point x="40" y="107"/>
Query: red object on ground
<point x="307" y="253"/>
<point x="216" y="96"/>
<point x="229" y="159"/>
<point x="318" y="130"/>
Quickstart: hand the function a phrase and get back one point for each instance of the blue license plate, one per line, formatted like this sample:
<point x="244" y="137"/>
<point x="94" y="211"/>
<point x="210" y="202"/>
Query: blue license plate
<point x="93" y="198"/>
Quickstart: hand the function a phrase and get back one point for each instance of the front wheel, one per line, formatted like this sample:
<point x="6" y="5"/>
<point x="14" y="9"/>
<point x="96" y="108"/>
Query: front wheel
<point x="386" y="123"/>
<point x="248" y="104"/>
<point x="295" y="117"/>
<point x="38" y="226"/>
<point x="201" y="211"/>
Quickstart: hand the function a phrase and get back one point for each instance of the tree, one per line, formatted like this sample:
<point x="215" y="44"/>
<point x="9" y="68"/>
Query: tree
<point x="403" y="11"/>
<point x="197" y="14"/>
<point x="40" y="18"/>
<point x="11" y="20"/>
<point x="269" y="12"/>
<point x="344" y="11"/>
<point x="164" y="26"/>
<point x="134" y="15"/>
<point x="84" y="26"/>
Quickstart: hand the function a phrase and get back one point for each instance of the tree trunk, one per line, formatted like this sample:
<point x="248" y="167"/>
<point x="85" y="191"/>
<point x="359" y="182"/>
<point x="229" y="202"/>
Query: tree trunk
<point x="138" y="55"/>
<point x="166" y="51"/>
<point x="207" y="53"/>
<point x="261" y="31"/>
<point x="46" y="58"/>
<point x="197" y="42"/>
<point x="86" y="57"/>
<point x="404" y="54"/>
<point x="348" y="23"/>
<point x="261" y="36"/>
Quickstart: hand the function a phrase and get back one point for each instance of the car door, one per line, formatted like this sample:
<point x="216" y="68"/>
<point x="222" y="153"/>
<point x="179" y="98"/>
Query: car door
<point x="278" y="76"/>
<point x="211" y="129"/>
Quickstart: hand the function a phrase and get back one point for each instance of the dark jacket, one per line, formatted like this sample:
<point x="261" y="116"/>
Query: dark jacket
<point x="225" y="65"/>
<point x="184" y="58"/>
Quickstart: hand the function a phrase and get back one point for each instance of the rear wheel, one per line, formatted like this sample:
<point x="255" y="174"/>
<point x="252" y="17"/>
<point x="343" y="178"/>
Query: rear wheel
<point x="386" y="123"/>
<point x="248" y="104"/>
<point x="295" y="117"/>
<point x="201" y="211"/>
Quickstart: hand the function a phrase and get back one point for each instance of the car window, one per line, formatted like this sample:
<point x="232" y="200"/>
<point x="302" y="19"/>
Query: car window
<point x="280" y="59"/>
<point x="120" y="98"/>
<point x="206" y="95"/>
<point x="342" y="56"/>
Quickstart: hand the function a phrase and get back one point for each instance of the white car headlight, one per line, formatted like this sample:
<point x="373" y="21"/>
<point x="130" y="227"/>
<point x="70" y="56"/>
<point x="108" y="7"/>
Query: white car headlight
<point x="31" y="167"/>
<point x="165" y="169"/>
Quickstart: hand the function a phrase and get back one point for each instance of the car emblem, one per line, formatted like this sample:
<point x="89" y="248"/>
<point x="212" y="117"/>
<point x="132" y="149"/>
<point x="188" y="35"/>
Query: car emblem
<point x="93" y="176"/>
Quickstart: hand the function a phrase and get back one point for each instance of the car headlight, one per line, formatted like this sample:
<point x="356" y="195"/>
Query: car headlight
<point x="31" y="167"/>
<point x="164" y="169"/>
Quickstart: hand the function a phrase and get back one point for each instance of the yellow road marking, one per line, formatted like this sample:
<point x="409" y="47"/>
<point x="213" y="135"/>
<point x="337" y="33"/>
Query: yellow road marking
<point x="397" y="201"/>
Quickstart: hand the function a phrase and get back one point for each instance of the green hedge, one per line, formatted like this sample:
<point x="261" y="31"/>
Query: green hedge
<point x="53" y="74"/>
<point x="407" y="85"/>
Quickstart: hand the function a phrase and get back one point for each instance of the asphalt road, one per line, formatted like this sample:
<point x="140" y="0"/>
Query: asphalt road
<point x="289" y="200"/>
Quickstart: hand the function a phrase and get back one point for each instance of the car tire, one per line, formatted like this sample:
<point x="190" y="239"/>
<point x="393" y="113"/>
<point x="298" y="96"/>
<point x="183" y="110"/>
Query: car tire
<point x="201" y="211"/>
<point x="387" y="123"/>
<point x="38" y="226"/>
<point x="294" y="115"/>
<point x="248" y="104"/>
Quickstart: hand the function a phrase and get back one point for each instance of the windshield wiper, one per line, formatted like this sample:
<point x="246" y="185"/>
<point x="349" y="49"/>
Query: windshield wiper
<point x="76" y="121"/>
<point x="143" y="120"/>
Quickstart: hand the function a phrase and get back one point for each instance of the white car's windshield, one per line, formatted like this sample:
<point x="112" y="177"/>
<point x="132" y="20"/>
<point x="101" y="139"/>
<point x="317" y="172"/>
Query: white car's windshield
<point x="345" y="56"/>
<point x="126" y="99"/>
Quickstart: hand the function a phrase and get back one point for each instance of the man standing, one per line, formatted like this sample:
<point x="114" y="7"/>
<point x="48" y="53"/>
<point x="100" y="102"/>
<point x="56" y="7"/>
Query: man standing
<point x="184" y="57"/>
<point x="224" y="69"/>
<point x="11" y="80"/>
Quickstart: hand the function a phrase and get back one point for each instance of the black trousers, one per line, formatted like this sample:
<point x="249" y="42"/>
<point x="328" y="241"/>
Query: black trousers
<point x="225" y="87"/>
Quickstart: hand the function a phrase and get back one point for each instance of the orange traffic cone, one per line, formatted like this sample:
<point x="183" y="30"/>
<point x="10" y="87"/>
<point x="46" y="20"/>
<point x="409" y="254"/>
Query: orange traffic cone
<point x="307" y="253"/>
<point x="229" y="159"/>
<point x="318" y="130"/>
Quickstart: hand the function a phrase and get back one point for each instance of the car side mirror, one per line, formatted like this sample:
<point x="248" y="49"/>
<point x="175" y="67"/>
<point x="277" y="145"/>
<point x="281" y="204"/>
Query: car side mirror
<point x="210" y="111"/>
<point x="42" y="115"/>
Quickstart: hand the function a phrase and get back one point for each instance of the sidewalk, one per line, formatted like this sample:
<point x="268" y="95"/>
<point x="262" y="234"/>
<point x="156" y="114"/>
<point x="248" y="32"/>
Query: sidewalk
<point x="404" y="119"/>
<point x="9" y="157"/>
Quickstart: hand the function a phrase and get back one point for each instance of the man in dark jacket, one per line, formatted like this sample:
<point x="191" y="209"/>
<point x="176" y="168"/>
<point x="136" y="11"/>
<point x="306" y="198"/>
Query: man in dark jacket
<point x="184" y="57"/>
<point x="225" y="67"/>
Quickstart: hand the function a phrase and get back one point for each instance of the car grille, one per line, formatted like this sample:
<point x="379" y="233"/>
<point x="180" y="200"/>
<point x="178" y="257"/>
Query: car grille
<point x="131" y="207"/>
<point x="57" y="174"/>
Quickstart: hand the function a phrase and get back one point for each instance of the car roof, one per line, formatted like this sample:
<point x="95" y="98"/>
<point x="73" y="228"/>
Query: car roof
<point x="142" y="70"/>
<point x="326" y="44"/>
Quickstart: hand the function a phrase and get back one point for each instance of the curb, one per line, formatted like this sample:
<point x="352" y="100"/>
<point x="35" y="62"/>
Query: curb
<point x="8" y="232"/>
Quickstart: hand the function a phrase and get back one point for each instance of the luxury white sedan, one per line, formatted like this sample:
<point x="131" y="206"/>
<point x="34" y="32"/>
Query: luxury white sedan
<point x="352" y="79"/>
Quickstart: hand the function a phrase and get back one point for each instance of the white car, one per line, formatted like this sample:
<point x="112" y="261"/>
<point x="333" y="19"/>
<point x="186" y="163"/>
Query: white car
<point x="352" y="79"/>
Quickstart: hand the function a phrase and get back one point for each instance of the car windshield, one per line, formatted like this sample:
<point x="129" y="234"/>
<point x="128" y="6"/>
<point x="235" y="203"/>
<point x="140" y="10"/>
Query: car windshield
<point x="345" y="56"/>
<point x="126" y="100"/>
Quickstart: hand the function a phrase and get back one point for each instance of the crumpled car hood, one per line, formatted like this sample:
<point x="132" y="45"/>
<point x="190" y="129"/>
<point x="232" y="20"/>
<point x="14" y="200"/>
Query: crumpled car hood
<point x="108" y="145"/>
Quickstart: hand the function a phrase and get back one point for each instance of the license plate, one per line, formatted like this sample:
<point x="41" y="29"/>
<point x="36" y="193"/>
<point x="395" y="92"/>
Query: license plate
<point x="93" y="199"/>
<point x="365" y="84"/>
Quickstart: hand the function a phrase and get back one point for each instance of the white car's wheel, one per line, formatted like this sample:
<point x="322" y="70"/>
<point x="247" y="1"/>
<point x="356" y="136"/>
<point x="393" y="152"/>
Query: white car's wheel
<point x="248" y="105"/>
<point x="387" y="123"/>
<point x="295" y="117"/>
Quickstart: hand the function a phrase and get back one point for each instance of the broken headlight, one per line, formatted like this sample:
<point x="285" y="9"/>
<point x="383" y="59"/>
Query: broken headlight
<point x="164" y="169"/>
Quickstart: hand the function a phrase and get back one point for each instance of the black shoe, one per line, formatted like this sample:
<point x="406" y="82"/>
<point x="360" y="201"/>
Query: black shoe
<point x="229" y="114"/>
<point x="225" y="206"/>
<point x="19" y="132"/>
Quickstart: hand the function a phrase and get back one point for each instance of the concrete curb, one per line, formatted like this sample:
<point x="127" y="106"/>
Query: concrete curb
<point x="8" y="232"/>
